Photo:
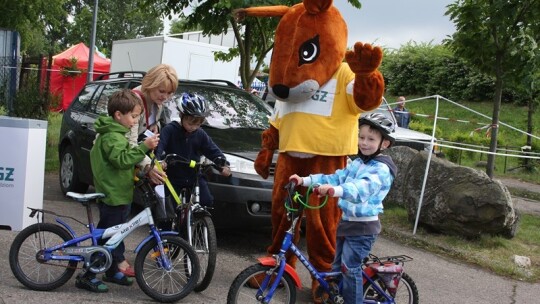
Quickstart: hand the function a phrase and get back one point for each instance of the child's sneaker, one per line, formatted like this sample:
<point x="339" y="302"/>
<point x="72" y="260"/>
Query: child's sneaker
<point x="117" y="279"/>
<point x="91" y="284"/>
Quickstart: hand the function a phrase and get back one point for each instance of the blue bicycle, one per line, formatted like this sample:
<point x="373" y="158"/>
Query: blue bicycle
<point x="385" y="281"/>
<point x="44" y="256"/>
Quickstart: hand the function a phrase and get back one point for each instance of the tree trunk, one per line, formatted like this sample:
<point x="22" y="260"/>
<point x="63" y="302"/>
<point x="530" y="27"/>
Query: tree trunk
<point x="530" y="113"/>
<point x="490" y="166"/>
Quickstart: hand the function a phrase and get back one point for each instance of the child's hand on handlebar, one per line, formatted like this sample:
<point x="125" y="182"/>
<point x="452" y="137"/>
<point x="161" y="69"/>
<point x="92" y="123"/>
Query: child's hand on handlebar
<point x="152" y="141"/>
<point x="324" y="190"/>
<point x="156" y="176"/>
<point x="296" y="179"/>
<point x="226" y="171"/>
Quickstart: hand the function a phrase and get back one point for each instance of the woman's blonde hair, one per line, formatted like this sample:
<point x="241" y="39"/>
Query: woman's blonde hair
<point x="159" y="75"/>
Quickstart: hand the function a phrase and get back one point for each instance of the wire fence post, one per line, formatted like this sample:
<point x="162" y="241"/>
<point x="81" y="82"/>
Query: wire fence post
<point x="426" y="173"/>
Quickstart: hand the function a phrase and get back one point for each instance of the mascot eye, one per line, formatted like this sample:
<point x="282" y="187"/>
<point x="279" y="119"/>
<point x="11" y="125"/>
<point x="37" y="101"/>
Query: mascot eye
<point x="309" y="51"/>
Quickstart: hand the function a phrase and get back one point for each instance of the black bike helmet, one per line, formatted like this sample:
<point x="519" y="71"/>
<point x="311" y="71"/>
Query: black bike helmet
<point x="381" y="123"/>
<point x="192" y="105"/>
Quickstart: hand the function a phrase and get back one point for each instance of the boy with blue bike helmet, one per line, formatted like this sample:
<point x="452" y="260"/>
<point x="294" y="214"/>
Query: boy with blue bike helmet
<point x="186" y="138"/>
<point x="361" y="187"/>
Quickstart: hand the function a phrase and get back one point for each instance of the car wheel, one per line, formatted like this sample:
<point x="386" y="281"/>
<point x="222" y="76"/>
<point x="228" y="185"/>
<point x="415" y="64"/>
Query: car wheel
<point x="69" y="179"/>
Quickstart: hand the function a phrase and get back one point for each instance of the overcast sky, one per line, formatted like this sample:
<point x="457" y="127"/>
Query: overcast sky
<point x="391" y="23"/>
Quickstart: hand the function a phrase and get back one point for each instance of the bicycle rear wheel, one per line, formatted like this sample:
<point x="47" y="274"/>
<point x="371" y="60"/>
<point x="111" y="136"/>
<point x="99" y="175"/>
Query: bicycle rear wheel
<point x="163" y="285"/>
<point x="25" y="262"/>
<point x="204" y="242"/>
<point x="245" y="286"/>
<point x="407" y="292"/>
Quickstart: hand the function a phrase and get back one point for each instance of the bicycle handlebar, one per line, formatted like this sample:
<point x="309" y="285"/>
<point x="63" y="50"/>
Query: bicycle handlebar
<point x="218" y="163"/>
<point x="295" y="197"/>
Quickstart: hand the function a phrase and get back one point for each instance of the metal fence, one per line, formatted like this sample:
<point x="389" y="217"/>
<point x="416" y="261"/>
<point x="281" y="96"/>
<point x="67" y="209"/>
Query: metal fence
<point x="9" y="82"/>
<point x="18" y="74"/>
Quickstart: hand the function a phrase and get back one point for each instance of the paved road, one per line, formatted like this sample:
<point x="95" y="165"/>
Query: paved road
<point x="439" y="280"/>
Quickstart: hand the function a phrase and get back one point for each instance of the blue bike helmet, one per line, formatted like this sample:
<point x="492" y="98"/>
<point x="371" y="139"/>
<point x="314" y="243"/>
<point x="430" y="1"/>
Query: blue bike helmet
<point x="192" y="105"/>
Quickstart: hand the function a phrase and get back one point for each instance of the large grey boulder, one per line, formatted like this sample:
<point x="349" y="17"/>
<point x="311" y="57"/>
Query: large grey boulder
<point x="457" y="200"/>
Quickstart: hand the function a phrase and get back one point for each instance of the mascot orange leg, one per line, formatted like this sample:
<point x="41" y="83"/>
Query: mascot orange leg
<point x="321" y="224"/>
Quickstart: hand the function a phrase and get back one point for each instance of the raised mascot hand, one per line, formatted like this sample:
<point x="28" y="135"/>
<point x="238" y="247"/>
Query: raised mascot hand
<point x="368" y="83"/>
<point x="364" y="59"/>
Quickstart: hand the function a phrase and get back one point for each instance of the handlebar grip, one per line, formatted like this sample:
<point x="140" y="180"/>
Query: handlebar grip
<point x="331" y="192"/>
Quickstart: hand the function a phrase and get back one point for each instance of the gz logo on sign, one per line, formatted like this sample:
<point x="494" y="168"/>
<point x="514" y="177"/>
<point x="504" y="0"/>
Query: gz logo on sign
<point x="6" y="174"/>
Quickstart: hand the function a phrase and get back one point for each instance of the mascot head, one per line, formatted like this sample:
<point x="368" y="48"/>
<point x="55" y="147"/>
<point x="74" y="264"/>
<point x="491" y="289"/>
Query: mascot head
<point x="310" y="44"/>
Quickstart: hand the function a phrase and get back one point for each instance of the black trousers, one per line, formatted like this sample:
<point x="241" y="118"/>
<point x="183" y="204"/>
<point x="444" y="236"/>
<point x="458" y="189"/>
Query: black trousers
<point x="110" y="216"/>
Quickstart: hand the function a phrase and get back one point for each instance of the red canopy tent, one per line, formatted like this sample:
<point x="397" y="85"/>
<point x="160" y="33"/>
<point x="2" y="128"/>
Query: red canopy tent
<point x="69" y="69"/>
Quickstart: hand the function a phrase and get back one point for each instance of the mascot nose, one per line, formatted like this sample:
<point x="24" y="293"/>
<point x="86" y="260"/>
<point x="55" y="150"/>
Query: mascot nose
<point x="281" y="91"/>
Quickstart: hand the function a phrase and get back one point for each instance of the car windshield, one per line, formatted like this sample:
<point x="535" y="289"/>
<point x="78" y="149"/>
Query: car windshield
<point x="231" y="108"/>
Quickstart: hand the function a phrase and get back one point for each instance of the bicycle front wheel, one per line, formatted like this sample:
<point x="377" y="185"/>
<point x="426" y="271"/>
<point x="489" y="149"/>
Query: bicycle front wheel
<point x="246" y="285"/>
<point x="167" y="285"/>
<point x="407" y="292"/>
<point x="204" y="242"/>
<point x="26" y="263"/>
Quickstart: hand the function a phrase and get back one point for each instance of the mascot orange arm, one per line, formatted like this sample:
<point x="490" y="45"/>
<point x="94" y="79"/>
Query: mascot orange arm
<point x="270" y="143"/>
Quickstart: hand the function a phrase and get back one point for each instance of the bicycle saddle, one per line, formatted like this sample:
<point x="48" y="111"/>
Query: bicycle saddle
<point x="85" y="197"/>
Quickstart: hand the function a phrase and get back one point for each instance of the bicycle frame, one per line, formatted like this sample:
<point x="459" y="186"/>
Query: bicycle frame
<point x="189" y="204"/>
<point x="115" y="234"/>
<point x="278" y="261"/>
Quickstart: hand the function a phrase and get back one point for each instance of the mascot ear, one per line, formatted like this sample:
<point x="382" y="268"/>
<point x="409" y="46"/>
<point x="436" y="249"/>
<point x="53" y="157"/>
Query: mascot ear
<point x="261" y="11"/>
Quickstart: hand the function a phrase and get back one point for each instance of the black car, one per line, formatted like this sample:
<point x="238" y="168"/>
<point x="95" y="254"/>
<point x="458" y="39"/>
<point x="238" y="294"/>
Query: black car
<point x="236" y="122"/>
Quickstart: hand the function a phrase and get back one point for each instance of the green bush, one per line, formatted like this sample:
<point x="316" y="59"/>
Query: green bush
<point x="31" y="103"/>
<point x="424" y="128"/>
<point x="457" y="155"/>
<point x="425" y="69"/>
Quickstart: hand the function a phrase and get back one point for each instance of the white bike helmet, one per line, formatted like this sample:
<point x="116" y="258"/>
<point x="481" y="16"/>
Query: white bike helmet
<point x="381" y="123"/>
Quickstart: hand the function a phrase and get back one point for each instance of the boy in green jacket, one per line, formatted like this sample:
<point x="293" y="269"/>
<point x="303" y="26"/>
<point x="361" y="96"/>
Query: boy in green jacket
<point x="113" y="163"/>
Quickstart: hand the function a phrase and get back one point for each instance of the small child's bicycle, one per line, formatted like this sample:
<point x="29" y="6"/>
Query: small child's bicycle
<point x="44" y="256"/>
<point x="385" y="282"/>
<point x="193" y="221"/>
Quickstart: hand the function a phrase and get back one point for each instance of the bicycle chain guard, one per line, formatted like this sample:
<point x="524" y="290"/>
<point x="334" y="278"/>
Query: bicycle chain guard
<point x="97" y="259"/>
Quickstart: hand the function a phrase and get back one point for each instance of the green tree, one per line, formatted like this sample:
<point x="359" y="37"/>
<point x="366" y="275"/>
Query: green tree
<point x="117" y="20"/>
<point x="487" y="36"/>
<point x="426" y="69"/>
<point x="179" y="25"/>
<point x="526" y="78"/>
<point x="254" y="36"/>
<point x="40" y="23"/>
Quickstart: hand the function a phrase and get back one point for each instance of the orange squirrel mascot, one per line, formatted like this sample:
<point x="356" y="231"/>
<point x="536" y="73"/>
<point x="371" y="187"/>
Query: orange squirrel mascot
<point x="315" y="121"/>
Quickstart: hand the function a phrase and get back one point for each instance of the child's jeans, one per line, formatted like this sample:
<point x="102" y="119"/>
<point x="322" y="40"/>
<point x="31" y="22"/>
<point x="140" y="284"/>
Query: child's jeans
<point x="350" y="252"/>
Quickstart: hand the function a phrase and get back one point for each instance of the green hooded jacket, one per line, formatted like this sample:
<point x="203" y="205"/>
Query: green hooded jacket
<point x="113" y="161"/>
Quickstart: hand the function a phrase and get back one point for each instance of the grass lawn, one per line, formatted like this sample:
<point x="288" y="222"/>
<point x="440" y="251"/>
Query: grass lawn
<point x="467" y="119"/>
<point x="490" y="252"/>
<point x="52" y="163"/>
